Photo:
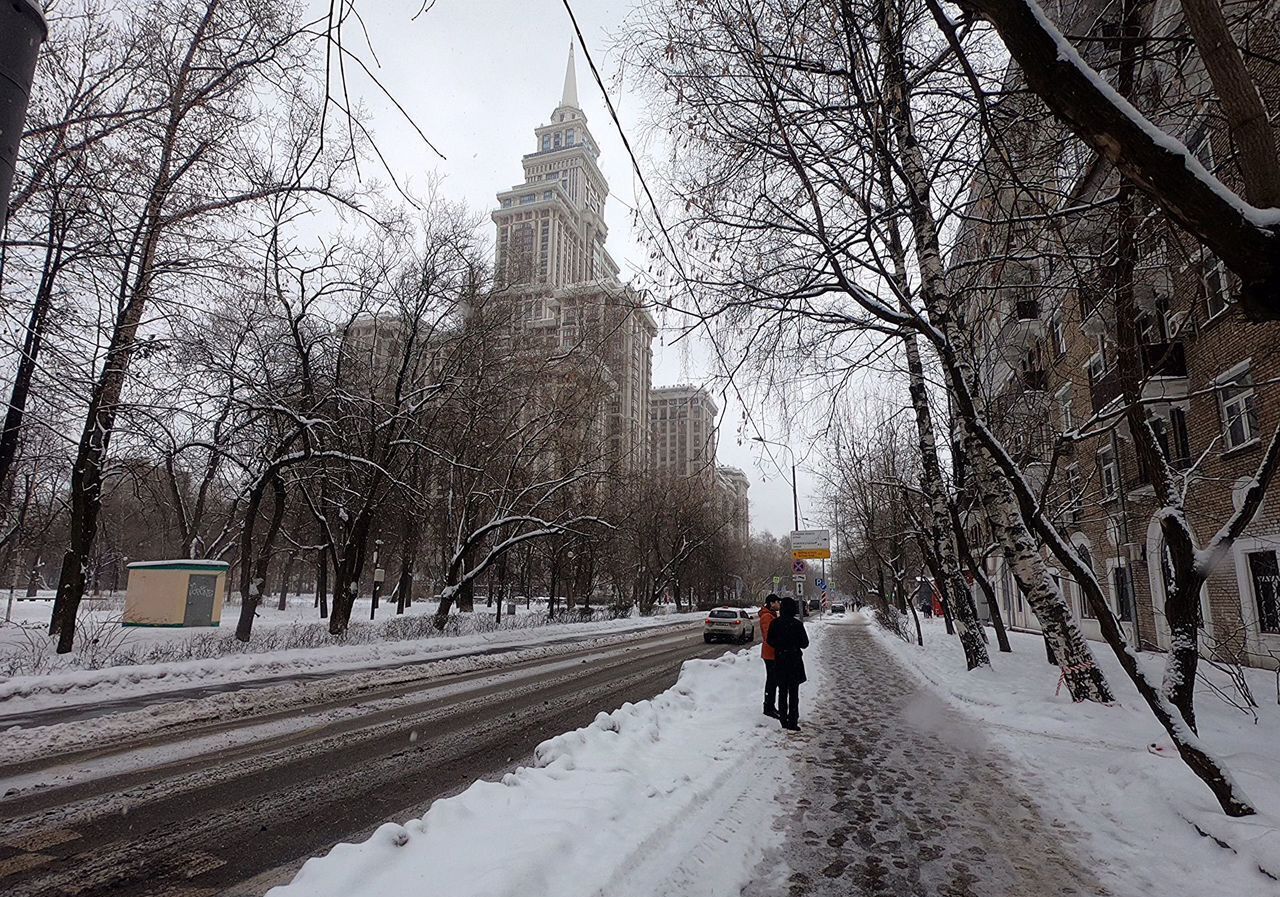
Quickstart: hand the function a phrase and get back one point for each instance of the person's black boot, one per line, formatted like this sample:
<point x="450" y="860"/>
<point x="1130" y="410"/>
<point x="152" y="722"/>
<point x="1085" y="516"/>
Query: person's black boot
<point x="791" y="725"/>
<point x="770" y="710"/>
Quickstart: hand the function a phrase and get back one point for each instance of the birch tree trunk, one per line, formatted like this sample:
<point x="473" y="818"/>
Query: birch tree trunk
<point x="1080" y="672"/>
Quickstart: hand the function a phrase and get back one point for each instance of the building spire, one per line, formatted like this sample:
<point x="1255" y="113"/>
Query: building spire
<point x="570" y="96"/>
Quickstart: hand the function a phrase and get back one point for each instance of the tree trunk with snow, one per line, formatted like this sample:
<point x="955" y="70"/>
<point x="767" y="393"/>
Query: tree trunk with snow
<point x="979" y="575"/>
<point x="253" y="565"/>
<point x="1083" y="677"/>
<point x="286" y="576"/>
<point x="1080" y="672"/>
<point x="322" y="581"/>
<point x="1245" y="237"/>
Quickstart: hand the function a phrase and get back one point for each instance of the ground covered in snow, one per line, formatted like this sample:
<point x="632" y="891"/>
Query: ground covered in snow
<point x="468" y="634"/>
<point x="898" y="794"/>
<point x="672" y="796"/>
<point x="1109" y="773"/>
<point x="910" y="777"/>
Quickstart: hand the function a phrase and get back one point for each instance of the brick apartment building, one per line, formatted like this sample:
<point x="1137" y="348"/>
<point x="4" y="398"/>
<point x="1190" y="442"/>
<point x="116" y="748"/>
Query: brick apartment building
<point x="1035" y="261"/>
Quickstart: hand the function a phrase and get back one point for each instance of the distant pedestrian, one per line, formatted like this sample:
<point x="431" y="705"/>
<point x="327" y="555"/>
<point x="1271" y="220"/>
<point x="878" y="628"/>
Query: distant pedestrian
<point x="768" y="614"/>
<point x="788" y="640"/>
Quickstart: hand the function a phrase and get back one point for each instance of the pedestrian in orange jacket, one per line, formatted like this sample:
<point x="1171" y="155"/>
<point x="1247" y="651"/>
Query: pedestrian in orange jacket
<point x="768" y="614"/>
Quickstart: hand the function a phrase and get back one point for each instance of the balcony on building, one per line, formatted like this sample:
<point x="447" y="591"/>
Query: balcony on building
<point x="1024" y="323"/>
<point x="1160" y="361"/>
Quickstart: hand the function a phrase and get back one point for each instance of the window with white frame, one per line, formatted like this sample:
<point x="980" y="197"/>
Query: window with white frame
<point x="1170" y="427"/>
<point x="1057" y="334"/>
<point x="1216" y="285"/>
<point x="1064" y="410"/>
<point x="1109" y="472"/>
<point x="1075" y="492"/>
<point x="1097" y="368"/>
<point x="1098" y="363"/>
<point x="1237" y="403"/>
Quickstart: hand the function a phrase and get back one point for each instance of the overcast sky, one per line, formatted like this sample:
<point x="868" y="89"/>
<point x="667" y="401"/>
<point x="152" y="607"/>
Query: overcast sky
<point x="478" y="76"/>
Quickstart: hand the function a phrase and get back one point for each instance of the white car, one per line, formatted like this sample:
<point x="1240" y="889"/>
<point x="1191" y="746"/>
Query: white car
<point x="731" y="624"/>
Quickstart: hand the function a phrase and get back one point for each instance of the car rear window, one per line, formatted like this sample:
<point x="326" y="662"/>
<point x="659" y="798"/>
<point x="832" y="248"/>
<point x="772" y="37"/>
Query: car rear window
<point x="724" y="614"/>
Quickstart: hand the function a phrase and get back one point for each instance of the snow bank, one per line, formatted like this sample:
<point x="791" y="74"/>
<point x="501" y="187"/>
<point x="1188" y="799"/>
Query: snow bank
<point x="1112" y="772"/>
<point x="675" y="795"/>
<point x="22" y="694"/>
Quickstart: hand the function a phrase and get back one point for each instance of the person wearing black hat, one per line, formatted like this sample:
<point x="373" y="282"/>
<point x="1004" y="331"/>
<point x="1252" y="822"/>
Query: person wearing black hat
<point x="788" y="639"/>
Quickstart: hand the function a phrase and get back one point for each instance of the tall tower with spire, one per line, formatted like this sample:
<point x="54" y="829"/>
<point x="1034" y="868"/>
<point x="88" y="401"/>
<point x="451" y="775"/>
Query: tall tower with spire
<point x="561" y="286"/>
<point x="551" y="228"/>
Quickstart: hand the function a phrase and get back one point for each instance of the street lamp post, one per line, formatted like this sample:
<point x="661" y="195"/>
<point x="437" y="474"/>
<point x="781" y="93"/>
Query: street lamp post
<point x="795" y="499"/>
<point x="795" y="496"/>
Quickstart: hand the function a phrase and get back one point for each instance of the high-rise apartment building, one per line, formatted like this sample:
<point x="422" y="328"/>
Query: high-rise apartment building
<point x="560" y="284"/>
<point x="733" y="485"/>
<point x="682" y="421"/>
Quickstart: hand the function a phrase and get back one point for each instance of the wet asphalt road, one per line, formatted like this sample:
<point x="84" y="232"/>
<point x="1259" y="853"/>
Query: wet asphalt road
<point x="245" y="819"/>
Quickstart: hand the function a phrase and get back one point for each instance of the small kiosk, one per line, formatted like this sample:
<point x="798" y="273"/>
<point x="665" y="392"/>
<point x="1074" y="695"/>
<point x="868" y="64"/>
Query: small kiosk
<point x="175" y="593"/>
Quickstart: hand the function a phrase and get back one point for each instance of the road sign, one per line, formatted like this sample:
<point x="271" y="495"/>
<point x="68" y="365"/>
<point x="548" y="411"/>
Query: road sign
<point x="821" y="584"/>
<point x="777" y="581"/>
<point x="811" y="544"/>
<point x="798" y="577"/>
<point x="379" y="574"/>
<point x="797" y="567"/>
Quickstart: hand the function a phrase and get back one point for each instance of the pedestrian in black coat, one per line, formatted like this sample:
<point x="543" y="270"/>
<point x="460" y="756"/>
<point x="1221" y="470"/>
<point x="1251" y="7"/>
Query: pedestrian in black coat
<point x="788" y="640"/>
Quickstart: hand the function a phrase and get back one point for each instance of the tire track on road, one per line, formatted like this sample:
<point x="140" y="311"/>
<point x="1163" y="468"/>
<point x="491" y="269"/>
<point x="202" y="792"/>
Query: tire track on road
<point x="275" y="809"/>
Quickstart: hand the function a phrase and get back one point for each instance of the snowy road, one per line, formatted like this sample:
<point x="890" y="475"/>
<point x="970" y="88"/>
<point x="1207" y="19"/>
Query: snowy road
<point x="901" y="795"/>
<point x="234" y="808"/>
<point x="89" y="709"/>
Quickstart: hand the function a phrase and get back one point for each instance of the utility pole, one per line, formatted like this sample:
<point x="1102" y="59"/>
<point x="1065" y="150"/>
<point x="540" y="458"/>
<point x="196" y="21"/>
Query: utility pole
<point x="795" y="496"/>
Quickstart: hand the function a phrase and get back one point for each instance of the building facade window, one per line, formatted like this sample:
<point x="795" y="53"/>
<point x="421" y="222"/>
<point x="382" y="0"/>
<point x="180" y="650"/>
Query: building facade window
<point x="1123" y="594"/>
<point x="1109" y="472"/>
<point x="1171" y="432"/>
<point x="1075" y="493"/>
<point x="1217" y="290"/>
<point x="1264" y="572"/>
<point x="1057" y="334"/>
<point x="1098" y="363"/>
<point x="1238" y="405"/>
<point x="1086" y="558"/>
<point x="1064" y="410"/>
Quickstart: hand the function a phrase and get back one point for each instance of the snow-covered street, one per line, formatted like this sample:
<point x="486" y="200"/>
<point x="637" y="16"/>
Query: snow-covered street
<point x="234" y="791"/>
<point x="905" y="780"/>
<point x="909" y="777"/>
